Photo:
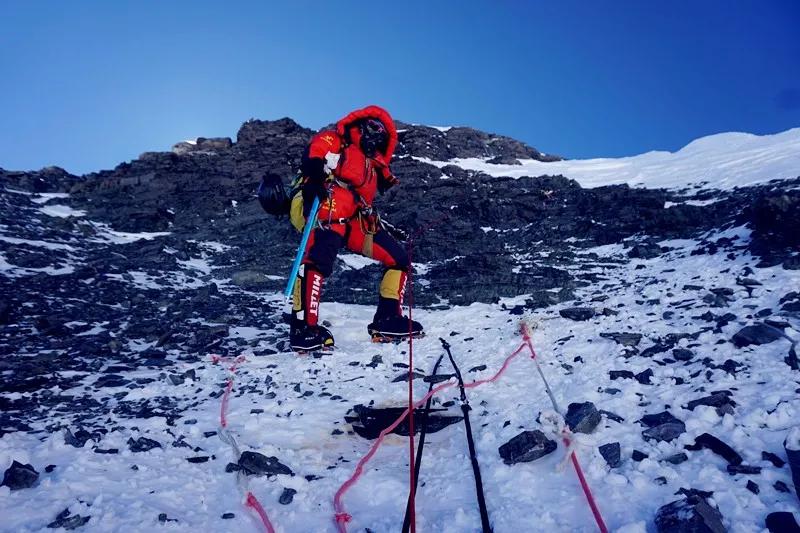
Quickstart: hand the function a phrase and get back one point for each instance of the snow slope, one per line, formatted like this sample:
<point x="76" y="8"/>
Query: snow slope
<point x="722" y="161"/>
<point x="293" y="408"/>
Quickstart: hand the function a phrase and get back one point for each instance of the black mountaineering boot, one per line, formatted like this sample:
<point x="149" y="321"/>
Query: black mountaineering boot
<point x="304" y="338"/>
<point x="389" y="325"/>
<point x="305" y="334"/>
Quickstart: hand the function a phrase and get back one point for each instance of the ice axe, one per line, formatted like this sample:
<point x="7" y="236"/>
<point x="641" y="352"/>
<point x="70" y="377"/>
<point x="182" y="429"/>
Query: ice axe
<point x="394" y="231"/>
<point x="310" y="222"/>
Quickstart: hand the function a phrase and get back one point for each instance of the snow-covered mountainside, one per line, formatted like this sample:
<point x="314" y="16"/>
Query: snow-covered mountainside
<point x="722" y="161"/>
<point x="666" y="322"/>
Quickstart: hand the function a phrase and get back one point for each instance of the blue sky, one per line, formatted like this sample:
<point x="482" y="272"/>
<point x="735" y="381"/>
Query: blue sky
<point x="88" y="84"/>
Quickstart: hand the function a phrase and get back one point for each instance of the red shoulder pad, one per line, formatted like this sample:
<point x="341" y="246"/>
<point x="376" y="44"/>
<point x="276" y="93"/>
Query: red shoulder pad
<point x="324" y="142"/>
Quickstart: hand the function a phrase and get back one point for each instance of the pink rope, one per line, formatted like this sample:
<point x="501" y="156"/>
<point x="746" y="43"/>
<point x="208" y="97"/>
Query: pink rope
<point x="251" y="501"/>
<point x="223" y="420"/>
<point x="587" y="491"/>
<point x="341" y="517"/>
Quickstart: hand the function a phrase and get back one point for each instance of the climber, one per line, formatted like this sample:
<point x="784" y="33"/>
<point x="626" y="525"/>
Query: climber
<point x="345" y="168"/>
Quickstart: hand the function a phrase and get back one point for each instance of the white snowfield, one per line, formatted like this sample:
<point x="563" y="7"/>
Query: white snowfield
<point x="721" y="161"/>
<point x="62" y="211"/>
<point x="291" y="407"/>
<point x="106" y="234"/>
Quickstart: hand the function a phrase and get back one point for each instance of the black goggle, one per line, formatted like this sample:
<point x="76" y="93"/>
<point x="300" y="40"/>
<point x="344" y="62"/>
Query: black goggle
<point x="373" y="136"/>
<point x="373" y="127"/>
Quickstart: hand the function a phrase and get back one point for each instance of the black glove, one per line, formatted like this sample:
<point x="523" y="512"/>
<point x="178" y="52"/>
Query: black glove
<point x="387" y="182"/>
<point x="314" y="187"/>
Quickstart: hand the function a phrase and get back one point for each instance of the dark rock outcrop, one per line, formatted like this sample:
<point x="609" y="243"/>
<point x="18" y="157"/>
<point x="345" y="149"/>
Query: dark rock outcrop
<point x="49" y="179"/>
<point x="792" y="448"/>
<point x="444" y="144"/>
<point x="645" y="251"/>
<point x="368" y="422"/>
<point x="665" y="432"/>
<point x="720" y="399"/>
<point x="68" y="521"/>
<point x="625" y="339"/>
<point x="579" y="314"/>
<point x="782" y="522"/>
<point x="142" y="444"/>
<point x="287" y="496"/>
<point x="202" y="145"/>
<point x="710" y="442"/>
<point x="205" y="192"/>
<point x="644" y="376"/>
<point x="677" y="458"/>
<point x="79" y="437"/>
<point x="638" y="455"/>
<point x="775" y="217"/>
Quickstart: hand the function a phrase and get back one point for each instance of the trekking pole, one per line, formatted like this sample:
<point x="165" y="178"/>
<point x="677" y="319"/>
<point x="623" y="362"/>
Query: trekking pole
<point x="312" y="219"/>
<point x="476" y="467"/>
<point x="423" y="431"/>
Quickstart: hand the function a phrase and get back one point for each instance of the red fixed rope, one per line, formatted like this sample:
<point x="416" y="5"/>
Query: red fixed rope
<point x="587" y="491"/>
<point x="412" y="513"/>
<point x="341" y="516"/>
<point x="412" y="505"/>
<point x="250" y="501"/>
<point x="223" y="420"/>
<point x="254" y="504"/>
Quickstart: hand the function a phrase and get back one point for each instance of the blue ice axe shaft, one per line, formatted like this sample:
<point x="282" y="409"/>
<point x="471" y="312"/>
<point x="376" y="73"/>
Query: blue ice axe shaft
<point x="312" y="219"/>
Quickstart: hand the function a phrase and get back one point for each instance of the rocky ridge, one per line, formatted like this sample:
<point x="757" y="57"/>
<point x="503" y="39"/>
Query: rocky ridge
<point x="205" y="191"/>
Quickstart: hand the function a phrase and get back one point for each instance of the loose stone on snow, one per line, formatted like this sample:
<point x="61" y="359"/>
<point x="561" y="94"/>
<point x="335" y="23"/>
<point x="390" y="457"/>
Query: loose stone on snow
<point x="254" y="463"/>
<point x="525" y="447"/>
<point x="582" y="417"/>
<point x="20" y="476"/>
<point x="757" y="334"/>
<point x="692" y="514"/>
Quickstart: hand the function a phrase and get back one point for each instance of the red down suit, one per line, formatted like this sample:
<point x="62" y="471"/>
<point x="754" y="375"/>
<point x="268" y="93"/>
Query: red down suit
<point x="346" y="217"/>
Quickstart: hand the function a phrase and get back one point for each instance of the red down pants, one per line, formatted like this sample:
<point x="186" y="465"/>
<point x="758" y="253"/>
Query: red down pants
<point x="323" y="246"/>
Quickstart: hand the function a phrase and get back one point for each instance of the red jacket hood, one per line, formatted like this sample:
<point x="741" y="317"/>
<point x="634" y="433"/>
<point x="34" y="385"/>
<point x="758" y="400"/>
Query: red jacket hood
<point x="375" y="112"/>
